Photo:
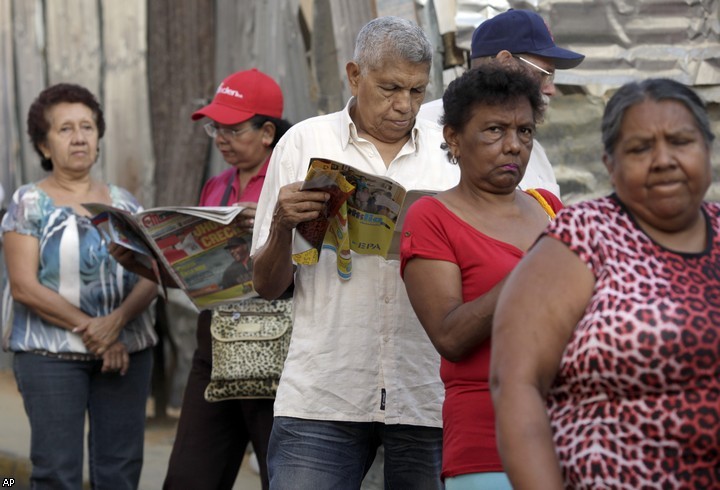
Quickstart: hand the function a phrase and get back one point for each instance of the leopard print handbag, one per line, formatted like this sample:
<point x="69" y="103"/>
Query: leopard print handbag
<point x="250" y="340"/>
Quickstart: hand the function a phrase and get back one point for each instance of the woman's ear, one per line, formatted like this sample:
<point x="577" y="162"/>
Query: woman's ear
<point x="504" y="56"/>
<point x="268" y="133"/>
<point x="44" y="150"/>
<point x="610" y="166"/>
<point x="451" y="138"/>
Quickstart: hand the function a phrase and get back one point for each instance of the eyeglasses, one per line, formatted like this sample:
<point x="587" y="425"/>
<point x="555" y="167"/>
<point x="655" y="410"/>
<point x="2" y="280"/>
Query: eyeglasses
<point x="226" y="133"/>
<point x="548" y="77"/>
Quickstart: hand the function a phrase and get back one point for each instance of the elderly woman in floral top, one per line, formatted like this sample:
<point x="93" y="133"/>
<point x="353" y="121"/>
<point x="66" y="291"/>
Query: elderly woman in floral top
<point x="78" y="322"/>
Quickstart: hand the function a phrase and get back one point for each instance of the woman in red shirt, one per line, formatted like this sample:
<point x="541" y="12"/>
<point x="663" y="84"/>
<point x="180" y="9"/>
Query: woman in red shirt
<point x="458" y="246"/>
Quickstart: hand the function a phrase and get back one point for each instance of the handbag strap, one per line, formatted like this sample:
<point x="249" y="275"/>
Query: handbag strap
<point x="226" y="196"/>
<point x="543" y="202"/>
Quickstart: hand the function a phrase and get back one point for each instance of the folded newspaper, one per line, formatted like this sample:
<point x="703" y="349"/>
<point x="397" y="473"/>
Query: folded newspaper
<point x="199" y="247"/>
<point x="364" y="215"/>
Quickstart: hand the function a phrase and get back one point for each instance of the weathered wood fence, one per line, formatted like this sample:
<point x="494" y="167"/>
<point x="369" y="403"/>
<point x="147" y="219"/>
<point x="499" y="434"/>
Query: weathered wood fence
<point x="153" y="62"/>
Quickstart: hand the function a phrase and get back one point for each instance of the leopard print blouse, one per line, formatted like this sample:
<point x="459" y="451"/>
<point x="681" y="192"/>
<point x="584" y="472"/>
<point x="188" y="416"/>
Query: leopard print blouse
<point x="636" y="401"/>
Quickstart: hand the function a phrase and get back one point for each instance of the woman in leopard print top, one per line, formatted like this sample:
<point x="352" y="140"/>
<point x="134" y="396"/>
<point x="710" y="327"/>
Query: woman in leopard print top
<point x="606" y="341"/>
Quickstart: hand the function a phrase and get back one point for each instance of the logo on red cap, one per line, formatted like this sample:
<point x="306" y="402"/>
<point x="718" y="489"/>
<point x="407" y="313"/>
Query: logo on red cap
<point x="224" y="89"/>
<point x="243" y="95"/>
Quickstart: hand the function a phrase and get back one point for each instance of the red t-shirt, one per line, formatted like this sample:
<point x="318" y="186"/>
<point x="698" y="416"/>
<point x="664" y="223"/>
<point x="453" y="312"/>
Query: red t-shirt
<point x="214" y="189"/>
<point x="432" y="231"/>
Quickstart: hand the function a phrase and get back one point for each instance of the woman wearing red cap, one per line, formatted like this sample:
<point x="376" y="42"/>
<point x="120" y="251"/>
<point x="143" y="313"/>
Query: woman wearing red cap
<point x="245" y="122"/>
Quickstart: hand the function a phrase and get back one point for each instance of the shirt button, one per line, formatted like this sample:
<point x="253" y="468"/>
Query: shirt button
<point x="387" y="300"/>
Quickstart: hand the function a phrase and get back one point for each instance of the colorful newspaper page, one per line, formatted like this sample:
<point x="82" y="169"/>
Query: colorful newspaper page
<point x="199" y="247"/>
<point x="362" y="215"/>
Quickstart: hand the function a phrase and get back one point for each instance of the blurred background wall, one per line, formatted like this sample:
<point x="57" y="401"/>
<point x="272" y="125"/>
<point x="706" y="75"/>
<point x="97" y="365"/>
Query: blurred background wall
<point x="153" y="62"/>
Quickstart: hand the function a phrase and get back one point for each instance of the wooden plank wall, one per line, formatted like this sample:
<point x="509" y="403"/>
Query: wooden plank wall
<point x="267" y="36"/>
<point x="128" y="143"/>
<point x="152" y="63"/>
<point x="30" y="78"/>
<point x="180" y="61"/>
<point x="8" y="124"/>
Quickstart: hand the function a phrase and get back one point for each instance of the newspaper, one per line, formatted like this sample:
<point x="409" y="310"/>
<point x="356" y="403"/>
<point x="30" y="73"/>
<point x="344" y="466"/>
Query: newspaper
<point x="364" y="215"/>
<point x="199" y="247"/>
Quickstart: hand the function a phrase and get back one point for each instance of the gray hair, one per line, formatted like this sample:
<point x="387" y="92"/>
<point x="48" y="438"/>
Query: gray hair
<point x="391" y="37"/>
<point x="655" y="89"/>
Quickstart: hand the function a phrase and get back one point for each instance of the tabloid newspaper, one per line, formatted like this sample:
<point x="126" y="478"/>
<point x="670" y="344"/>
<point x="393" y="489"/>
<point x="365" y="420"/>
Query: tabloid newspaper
<point x="364" y="215"/>
<point x="199" y="247"/>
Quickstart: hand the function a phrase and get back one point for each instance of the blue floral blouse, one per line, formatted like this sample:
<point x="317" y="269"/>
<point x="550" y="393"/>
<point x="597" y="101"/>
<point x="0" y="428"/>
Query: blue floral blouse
<point x="75" y="262"/>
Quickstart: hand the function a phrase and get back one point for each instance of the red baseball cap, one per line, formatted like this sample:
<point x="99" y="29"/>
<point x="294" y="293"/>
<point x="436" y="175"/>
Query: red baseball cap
<point x="243" y="95"/>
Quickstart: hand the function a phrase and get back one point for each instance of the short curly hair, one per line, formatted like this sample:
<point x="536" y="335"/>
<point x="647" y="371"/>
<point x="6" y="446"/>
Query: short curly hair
<point x="37" y="121"/>
<point x="491" y="84"/>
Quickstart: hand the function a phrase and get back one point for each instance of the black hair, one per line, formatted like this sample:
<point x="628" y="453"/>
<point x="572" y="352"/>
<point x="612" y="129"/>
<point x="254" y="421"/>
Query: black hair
<point x="656" y="89"/>
<point x="281" y="126"/>
<point x="490" y="84"/>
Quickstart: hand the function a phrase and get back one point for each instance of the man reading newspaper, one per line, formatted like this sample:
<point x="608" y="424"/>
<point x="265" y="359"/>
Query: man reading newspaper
<point x="361" y="371"/>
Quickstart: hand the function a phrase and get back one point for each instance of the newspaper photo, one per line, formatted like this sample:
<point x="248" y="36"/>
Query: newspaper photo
<point x="199" y="247"/>
<point x="364" y="215"/>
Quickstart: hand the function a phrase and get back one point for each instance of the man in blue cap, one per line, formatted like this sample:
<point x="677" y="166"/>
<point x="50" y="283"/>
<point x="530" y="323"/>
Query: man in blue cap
<point x="521" y="37"/>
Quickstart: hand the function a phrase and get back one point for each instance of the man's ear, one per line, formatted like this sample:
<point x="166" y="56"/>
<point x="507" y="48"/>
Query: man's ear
<point x="504" y="56"/>
<point x="353" y="74"/>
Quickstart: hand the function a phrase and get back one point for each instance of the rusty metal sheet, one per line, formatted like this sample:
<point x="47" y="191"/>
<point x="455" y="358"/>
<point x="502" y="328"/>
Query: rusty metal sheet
<point x="623" y="40"/>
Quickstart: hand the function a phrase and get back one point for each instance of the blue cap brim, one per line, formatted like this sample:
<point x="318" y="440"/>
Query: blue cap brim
<point x="564" y="59"/>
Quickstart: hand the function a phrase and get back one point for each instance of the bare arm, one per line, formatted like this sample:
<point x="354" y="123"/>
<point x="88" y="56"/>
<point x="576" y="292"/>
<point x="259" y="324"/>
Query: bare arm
<point x="455" y="328"/>
<point x="22" y="258"/>
<point x="272" y="264"/>
<point x="542" y="301"/>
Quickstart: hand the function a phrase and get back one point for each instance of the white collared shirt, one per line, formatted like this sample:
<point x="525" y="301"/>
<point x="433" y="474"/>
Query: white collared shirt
<point x="358" y="352"/>
<point x="538" y="173"/>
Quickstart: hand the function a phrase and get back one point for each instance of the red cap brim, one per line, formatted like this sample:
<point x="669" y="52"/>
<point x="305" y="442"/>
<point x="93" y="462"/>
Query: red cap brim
<point x="222" y="114"/>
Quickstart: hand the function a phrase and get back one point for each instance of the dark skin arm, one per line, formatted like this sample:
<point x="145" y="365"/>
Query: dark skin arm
<point x="542" y="301"/>
<point x="272" y="264"/>
<point x="455" y="328"/>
